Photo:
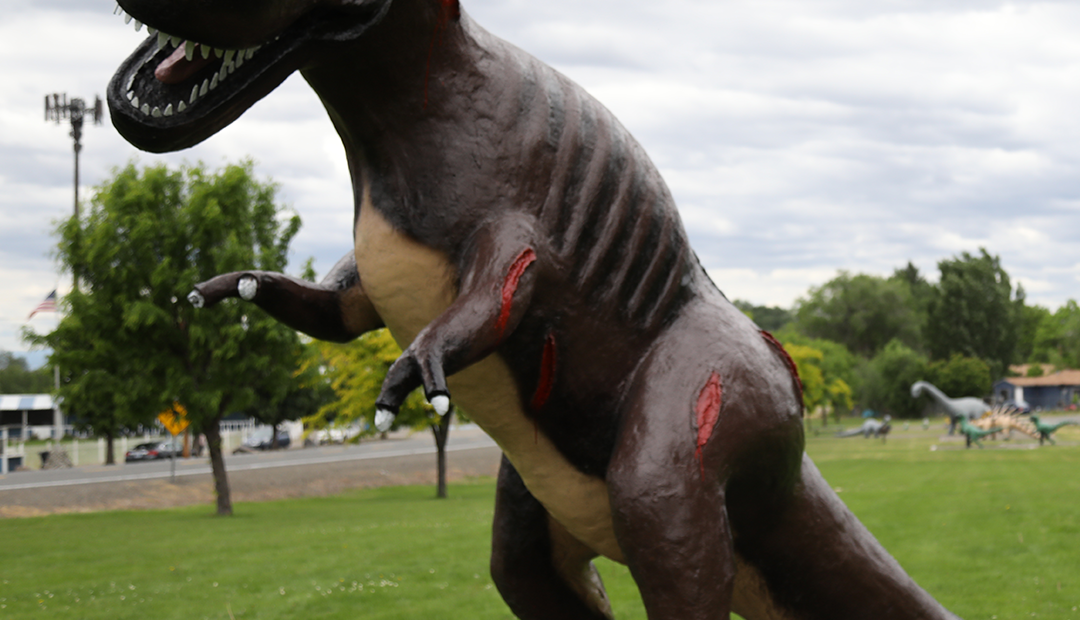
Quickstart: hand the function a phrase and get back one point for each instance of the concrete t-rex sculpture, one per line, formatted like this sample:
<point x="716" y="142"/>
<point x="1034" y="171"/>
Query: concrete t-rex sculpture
<point x="523" y="249"/>
<point x="967" y="407"/>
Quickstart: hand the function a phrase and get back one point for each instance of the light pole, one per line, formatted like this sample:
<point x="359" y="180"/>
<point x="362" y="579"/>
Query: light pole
<point x="58" y="108"/>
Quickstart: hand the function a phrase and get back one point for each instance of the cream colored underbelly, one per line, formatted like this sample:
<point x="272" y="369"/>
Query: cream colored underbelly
<point x="410" y="285"/>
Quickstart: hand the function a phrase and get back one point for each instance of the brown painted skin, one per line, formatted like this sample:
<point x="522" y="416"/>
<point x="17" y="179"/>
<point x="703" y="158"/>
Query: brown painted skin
<point x="522" y="247"/>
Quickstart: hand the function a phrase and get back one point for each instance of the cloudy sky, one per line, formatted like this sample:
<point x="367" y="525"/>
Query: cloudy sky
<point x="799" y="137"/>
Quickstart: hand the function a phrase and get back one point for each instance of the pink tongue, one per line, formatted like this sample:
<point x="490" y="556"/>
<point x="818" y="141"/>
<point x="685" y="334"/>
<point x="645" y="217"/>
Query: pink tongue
<point x="177" y="68"/>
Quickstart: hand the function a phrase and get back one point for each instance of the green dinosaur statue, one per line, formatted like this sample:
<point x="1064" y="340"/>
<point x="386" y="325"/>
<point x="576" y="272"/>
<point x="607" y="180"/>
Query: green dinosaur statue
<point x="1045" y="430"/>
<point x="973" y="433"/>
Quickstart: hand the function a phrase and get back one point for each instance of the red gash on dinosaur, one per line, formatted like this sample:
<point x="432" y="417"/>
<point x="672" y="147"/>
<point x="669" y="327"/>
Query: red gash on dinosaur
<point x="523" y="249"/>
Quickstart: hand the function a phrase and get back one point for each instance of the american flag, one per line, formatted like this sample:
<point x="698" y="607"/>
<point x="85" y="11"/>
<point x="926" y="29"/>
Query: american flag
<point x="49" y="305"/>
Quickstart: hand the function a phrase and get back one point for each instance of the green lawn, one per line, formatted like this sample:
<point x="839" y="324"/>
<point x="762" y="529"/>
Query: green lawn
<point x="991" y="533"/>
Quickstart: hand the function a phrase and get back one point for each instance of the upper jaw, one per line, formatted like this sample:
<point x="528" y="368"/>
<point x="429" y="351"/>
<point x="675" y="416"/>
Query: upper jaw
<point x="197" y="99"/>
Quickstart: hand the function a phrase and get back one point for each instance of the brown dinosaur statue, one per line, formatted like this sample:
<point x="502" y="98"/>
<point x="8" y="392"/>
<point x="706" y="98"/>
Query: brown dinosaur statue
<point x="525" y="252"/>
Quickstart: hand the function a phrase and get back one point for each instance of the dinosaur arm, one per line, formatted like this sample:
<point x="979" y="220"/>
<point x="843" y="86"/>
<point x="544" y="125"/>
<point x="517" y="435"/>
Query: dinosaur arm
<point x="498" y="279"/>
<point x="336" y="309"/>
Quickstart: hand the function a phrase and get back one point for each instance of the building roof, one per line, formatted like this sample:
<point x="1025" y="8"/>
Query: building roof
<point x="1061" y="377"/>
<point x="26" y="402"/>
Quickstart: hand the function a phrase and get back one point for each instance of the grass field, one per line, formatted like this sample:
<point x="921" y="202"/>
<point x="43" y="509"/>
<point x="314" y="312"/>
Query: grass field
<point x="991" y="533"/>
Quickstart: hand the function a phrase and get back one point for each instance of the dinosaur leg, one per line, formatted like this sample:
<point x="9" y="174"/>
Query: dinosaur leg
<point x="541" y="572"/>
<point x="336" y="309"/>
<point x="497" y="283"/>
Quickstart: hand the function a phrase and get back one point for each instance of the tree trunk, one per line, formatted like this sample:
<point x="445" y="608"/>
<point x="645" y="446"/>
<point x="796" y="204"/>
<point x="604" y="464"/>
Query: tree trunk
<point x="273" y="437"/>
<point x="442" y="433"/>
<point x="110" y="459"/>
<point x="217" y="463"/>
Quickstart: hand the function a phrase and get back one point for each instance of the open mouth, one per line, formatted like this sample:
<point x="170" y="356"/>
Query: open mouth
<point x="173" y="93"/>
<point x="175" y="64"/>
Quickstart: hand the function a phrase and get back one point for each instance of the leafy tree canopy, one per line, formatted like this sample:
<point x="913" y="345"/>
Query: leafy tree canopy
<point x="887" y="380"/>
<point x="770" y="318"/>
<point x="960" y="376"/>
<point x="973" y="312"/>
<point x="861" y="312"/>
<point x="17" y="378"/>
<point x="130" y="344"/>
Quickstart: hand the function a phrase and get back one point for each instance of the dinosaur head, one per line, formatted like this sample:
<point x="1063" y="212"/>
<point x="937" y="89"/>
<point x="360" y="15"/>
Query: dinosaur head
<point x="207" y="61"/>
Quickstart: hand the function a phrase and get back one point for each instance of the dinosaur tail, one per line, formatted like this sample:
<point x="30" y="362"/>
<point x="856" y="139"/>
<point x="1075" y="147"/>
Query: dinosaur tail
<point x="850" y="433"/>
<point x="843" y="573"/>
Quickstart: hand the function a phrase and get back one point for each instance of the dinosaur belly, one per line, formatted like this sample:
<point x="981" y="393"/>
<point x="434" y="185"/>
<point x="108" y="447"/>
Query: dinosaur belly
<point x="410" y="284"/>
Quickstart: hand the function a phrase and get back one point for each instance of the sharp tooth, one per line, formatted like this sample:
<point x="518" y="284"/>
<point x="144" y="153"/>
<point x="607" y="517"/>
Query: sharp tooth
<point x="218" y="52"/>
<point x="162" y="39"/>
<point x="156" y="113"/>
<point x="213" y="82"/>
<point x="223" y="73"/>
<point x="181" y="107"/>
<point x="138" y="25"/>
<point x="229" y="55"/>
<point x="135" y="101"/>
<point x="131" y="95"/>
<point x="168" y="110"/>
<point x="232" y="67"/>
<point x="239" y="59"/>
<point x="127" y="19"/>
<point x="175" y="41"/>
<point x="205" y="50"/>
<point x="194" y="93"/>
<point x="117" y="10"/>
<point x="151" y="31"/>
<point x="205" y="87"/>
<point x="145" y="108"/>
<point x="189" y="50"/>
<point x="249" y="53"/>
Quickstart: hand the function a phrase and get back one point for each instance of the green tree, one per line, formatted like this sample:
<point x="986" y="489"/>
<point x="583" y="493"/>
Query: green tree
<point x="973" y="312"/>
<point x="770" y="318"/>
<point x="130" y="344"/>
<point x="837" y="367"/>
<point x="1031" y="317"/>
<point x="356" y="371"/>
<point x="960" y="376"/>
<point x="861" y="312"/>
<point x="17" y="378"/>
<point x="1057" y="337"/>
<point x="888" y="377"/>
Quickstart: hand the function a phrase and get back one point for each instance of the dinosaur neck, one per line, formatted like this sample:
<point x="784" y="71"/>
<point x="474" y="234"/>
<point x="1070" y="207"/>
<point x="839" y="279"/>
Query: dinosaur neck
<point x="937" y="394"/>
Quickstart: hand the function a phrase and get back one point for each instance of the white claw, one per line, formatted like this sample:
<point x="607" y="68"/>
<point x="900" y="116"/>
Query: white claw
<point x="383" y="420"/>
<point x="441" y="404"/>
<point x="247" y="287"/>
<point x="196" y="299"/>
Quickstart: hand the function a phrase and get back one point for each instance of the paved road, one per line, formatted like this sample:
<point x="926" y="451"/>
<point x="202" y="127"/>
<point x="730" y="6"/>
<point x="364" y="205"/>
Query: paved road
<point x="325" y="470"/>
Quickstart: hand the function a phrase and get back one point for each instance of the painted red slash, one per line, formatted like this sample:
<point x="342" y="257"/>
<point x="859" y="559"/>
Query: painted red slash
<point x="708" y="412"/>
<point x="547" y="373"/>
<point x="510" y="285"/>
<point x="787" y="359"/>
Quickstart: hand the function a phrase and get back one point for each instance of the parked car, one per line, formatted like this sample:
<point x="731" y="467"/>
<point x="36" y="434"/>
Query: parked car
<point x="260" y="439"/>
<point x="152" y="451"/>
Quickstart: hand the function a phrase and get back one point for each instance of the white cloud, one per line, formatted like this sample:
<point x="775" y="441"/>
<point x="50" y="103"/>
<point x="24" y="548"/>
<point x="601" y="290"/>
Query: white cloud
<point x="799" y="137"/>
